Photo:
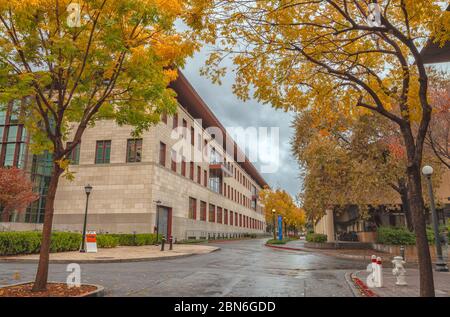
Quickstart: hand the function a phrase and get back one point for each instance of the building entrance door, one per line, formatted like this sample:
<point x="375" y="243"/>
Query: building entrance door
<point x="164" y="221"/>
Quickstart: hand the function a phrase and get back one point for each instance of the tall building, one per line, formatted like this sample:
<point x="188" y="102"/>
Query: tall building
<point x="184" y="177"/>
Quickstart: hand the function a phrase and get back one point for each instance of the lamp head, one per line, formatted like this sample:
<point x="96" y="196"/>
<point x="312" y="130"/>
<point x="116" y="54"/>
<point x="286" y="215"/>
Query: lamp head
<point x="427" y="170"/>
<point x="273" y="211"/>
<point x="88" y="189"/>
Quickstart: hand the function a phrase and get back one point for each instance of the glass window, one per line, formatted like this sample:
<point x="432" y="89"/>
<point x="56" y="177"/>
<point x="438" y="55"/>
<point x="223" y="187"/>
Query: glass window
<point x="1" y="133"/>
<point x="74" y="155"/>
<point x="173" y="158"/>
<point x="202" y="210"/>
<point x="134" y="150"/>
<point x="9" y="154"/>
<point x="2" y="114"/>
<point x="12" y="133"/>
<point x="22" y="158"/>
<point x="162" y="153"/>
<point x="219" y="214"/>
<point x="192" y="208"/>
<point x="175" y="121"/>
<point x="103" y="152"/>
<point x="212" y="213"/>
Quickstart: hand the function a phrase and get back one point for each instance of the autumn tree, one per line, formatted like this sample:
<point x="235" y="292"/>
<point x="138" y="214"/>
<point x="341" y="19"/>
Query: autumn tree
<point x="283" y="204"/>
<point x="16" y="191"/>
<point x="438" y="135"/>
<point x="92" y="60"/>
<point x="348" y="161"/>
<point x="305" y="54"/>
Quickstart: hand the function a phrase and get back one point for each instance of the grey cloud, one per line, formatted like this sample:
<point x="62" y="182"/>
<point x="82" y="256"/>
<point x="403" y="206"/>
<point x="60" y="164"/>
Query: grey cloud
<point x="233" y="112"/>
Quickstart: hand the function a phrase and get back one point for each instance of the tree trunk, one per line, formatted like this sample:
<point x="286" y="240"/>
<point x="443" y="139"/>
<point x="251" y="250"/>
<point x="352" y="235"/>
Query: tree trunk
<point x="403" y="191"/>
<point x="417" y="210"/>
<point x="40" y="283"/>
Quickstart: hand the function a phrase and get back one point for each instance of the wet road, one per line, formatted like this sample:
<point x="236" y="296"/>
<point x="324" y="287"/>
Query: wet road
<point x="240" y="268"/>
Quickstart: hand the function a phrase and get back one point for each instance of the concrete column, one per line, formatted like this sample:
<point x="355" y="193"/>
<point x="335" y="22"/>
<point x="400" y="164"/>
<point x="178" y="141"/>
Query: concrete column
<point x="329" y="225"/>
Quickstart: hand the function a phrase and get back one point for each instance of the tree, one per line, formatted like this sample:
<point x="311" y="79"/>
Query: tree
<point x="348" y="161"/>
<point x="283" y="204"/>
<point x="16" y="191"/>
<point x="308" y="54"/>
<point x="438" y="135"/>
<point x="114" y="63"/>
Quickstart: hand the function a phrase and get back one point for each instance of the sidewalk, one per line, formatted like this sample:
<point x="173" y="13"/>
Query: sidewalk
<point x="441" y="283"/>
<point x="118" y="254"/>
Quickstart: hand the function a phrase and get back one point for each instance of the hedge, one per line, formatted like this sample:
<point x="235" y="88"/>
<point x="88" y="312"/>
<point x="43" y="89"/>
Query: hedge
<point x="130" y="239"/>
<point x="316" y="237"/>
<point x="29" y="242"/>
<point x="400" y="236"/>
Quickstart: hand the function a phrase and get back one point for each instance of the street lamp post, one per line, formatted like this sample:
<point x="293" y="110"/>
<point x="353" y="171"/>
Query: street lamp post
<point x="87" y="189"/>
<point x="158" y="202"/>
<point x="273" y="218"/>
<point x="440" y="264"/>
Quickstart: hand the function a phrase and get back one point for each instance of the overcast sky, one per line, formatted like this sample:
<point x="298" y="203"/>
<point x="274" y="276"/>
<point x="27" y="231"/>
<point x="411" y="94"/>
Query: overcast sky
<point x="233" y="112"/>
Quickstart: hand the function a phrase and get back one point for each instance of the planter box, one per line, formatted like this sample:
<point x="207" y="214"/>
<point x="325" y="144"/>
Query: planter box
<point x="410" y="250"/>
<point x="99" y="292"/>
<point x="367" y="237"/>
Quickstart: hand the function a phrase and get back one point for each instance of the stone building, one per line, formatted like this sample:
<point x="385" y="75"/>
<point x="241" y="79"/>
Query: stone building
<point x="184" y="177"/>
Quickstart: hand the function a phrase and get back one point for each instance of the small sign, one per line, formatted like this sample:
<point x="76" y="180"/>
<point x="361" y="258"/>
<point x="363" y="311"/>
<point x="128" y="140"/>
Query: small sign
<point x="280" y="228"/>
<point x="91" y="242"/>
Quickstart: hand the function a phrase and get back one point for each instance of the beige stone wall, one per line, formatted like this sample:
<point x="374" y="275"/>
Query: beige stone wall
<point x="124" y="194"/>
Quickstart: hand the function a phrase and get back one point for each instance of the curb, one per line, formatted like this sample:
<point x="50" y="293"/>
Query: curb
<point x="107" y="260"/>
<point x="99" y="292"/>
<point x="363" y="289"/>
<point x="285" y="248"/>
<point x="351" y="284"/>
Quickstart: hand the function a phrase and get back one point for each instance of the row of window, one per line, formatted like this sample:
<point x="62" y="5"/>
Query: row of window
<point x="12" y="136"/>
<point x="215" y="157"/>
<point x="103" y="152"/>
<point x="223" y="216"/>
<point x="215" y="181"/>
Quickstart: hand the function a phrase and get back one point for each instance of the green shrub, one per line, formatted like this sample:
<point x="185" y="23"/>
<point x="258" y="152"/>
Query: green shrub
<point x="316" y="237"/>
<point x="395" y="236"/>
<point x="65" y="241"/>
<point x="107" y="241"/>
<point x="130" y="239"/>
<point x="28" y="242"/>
<point x="12" y="243"/>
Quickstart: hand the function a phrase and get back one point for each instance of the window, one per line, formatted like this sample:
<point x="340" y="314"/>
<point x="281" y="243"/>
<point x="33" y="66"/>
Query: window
<point x="103" y="152"/>
<point x="199" y="142"/>
<point x="164" y="117"/>
<point x="202" y="211"/>
<point x="162" y="154"/>
<point x="184" y="129"/>
<point x="192" y="136"/>
<point x="236" y="223"/>
<point x="225" y="216"/>
<point x="231" y="218"/>
<point x="175" y="121"/>
<point x="134" y="150"/>
<point x="199" y="174"/>
<point x="205" y="178"/>
<point x="74" y="155"/>
<point x="212" y="213"/>
<point x="240" y="220"/>
<point x="173" y="158"/>
<point x="191" y="170"/>
<point x="215" y="181"/>
<point x="12" y="136"/>
<point x="219" y="214"/>
<point x="192" y="208"/>
<point x="183" y="167"/>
